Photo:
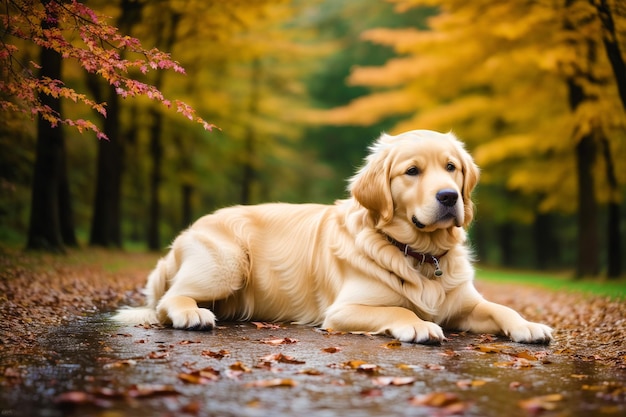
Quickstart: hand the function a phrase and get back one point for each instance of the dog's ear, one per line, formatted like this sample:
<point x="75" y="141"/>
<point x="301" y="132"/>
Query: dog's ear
<point x="371" y="186"/>
<point x="471" y="173"/>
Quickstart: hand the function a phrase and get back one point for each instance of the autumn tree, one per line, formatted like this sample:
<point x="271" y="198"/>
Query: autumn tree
<point x="526" y="85"/>
<point x="50" y="218"/>
<point x="76" y="33"/>
<point x="106" y="221"/>
<point x="247" y="67"/>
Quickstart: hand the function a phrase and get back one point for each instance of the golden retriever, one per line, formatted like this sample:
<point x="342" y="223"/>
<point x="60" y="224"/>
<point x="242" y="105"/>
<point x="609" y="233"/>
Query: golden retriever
<point x="390" y="259"/>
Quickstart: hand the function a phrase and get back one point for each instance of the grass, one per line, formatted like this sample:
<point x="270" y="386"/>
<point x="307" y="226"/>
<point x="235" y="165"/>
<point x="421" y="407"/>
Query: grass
<point x="110" y="260"/>
<point x="615" y="289"/>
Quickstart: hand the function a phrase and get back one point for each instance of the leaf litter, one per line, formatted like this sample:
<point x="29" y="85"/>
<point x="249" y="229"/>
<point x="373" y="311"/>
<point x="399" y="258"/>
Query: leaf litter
<point x="60" y="293"/>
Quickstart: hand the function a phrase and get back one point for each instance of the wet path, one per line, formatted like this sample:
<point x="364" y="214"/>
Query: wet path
<point x="95" y="368"/>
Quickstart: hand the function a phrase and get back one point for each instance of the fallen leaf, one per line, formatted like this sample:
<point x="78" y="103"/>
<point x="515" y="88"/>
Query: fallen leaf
<point x="238" y="366"/>
<point x="312" y="372"/>
<point x="434" y="367"/>
<point x="279" y="357"/>
<point x="74" y="397"/>
<point x="200" y="377"/>
<point x="541" y="403"/>
<point x="525" y="355"/>
<point x="215" y="355"/>
<point x="493" y="348"/>
<point x="372" y="392"/>
<point x="517" y="363"/>
<point x="276" y="342"/>
<point x="81" y="397"/>
<point x="368" y="368"/>
<point x="120" y="364"/>
<point x="158" y="355"/>
<point x="352" y="364"/>
<point x="394" y="344"/>
<point x="189" y="342"/>
<point x="272" y="383"/>
<point x="150" y="390"/>
<point x="192" y="408"/>
<point x="435" y="399"/>
<point x="469" y="383"/>
<point x="12" y="373"/>
<point x="382" y="381"/>
<point x="447" y="403"/>
<point x="264" y="325"/>
<point x="331" y="349"/>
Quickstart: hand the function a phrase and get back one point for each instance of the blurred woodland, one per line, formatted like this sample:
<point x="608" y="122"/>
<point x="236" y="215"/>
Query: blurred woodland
<point x="298" y="90"/>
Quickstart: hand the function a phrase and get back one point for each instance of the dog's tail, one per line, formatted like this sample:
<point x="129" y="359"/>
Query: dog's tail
<point x="155" y="288"/>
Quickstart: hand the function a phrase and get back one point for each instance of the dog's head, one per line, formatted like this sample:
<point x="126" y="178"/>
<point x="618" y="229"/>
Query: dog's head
<point x="422" y="178"/>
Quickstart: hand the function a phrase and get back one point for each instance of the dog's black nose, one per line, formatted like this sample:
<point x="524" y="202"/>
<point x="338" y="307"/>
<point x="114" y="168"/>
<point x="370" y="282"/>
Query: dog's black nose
<point x="447" y="197"/>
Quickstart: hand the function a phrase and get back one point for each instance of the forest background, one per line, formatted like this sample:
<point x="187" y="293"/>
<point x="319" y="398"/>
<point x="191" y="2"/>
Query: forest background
<point x="299" y="89"/>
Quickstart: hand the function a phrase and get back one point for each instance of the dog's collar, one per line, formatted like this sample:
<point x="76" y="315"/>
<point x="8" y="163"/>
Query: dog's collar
<point x="421" y="257"/>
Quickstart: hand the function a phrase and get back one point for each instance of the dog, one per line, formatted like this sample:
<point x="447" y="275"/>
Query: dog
<point x="390" y="259"/>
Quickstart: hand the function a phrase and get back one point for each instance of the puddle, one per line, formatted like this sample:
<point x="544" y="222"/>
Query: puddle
<point x="115" y="371"/>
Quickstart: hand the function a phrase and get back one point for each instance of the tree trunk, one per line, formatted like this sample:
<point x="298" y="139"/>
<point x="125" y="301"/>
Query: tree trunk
<point x="614" y="243"/>
<point x="106" y="220"/>
<point x="588" y="249"/>
<point x="66" y="212"/>
<point x="49" y="177"/>
<point x="166" y="36"/>
<point x="106" y="223"/>
<point x="156" y="153"/>
<point x="506" y="233"/>
<point x="612" y="47"/>
<point x="545" y="242"/>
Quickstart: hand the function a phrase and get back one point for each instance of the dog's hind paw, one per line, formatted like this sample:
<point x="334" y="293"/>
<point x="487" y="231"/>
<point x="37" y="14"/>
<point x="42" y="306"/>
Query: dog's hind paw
<point x="193" y="319"/>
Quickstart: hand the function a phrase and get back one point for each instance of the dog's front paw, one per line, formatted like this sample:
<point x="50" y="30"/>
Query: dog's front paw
<point x="529" y="332"/>
<point x="423" y="332"/>
<point x="193" y="319"/>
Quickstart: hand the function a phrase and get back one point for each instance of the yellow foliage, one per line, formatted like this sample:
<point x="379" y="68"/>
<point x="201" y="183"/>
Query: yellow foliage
<point x="495" y="73"/>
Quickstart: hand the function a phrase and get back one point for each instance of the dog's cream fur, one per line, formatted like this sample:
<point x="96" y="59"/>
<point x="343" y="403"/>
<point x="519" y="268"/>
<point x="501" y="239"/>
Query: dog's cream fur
<point x="333" y="265"/>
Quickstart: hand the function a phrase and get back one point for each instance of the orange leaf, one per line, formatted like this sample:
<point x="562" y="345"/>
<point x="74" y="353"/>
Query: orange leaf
<point x="435" y="399"/>
<point x="272" y="383"/>
<point x="541" y="403"/>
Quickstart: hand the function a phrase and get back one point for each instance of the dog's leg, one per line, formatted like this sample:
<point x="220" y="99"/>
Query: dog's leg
<point x="210" y="271"/>
<point x="397" y="322"/>
<point x="488" y="317"/>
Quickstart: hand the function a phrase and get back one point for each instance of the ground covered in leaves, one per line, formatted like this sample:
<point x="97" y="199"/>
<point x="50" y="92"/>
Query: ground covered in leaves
<point x="40" y="290"/>
<point x="40" y="293"/>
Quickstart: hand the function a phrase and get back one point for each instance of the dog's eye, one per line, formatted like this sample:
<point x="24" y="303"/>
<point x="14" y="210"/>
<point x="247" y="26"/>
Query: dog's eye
<point x="413" y="171"/>
<point x="450" y="167"/>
